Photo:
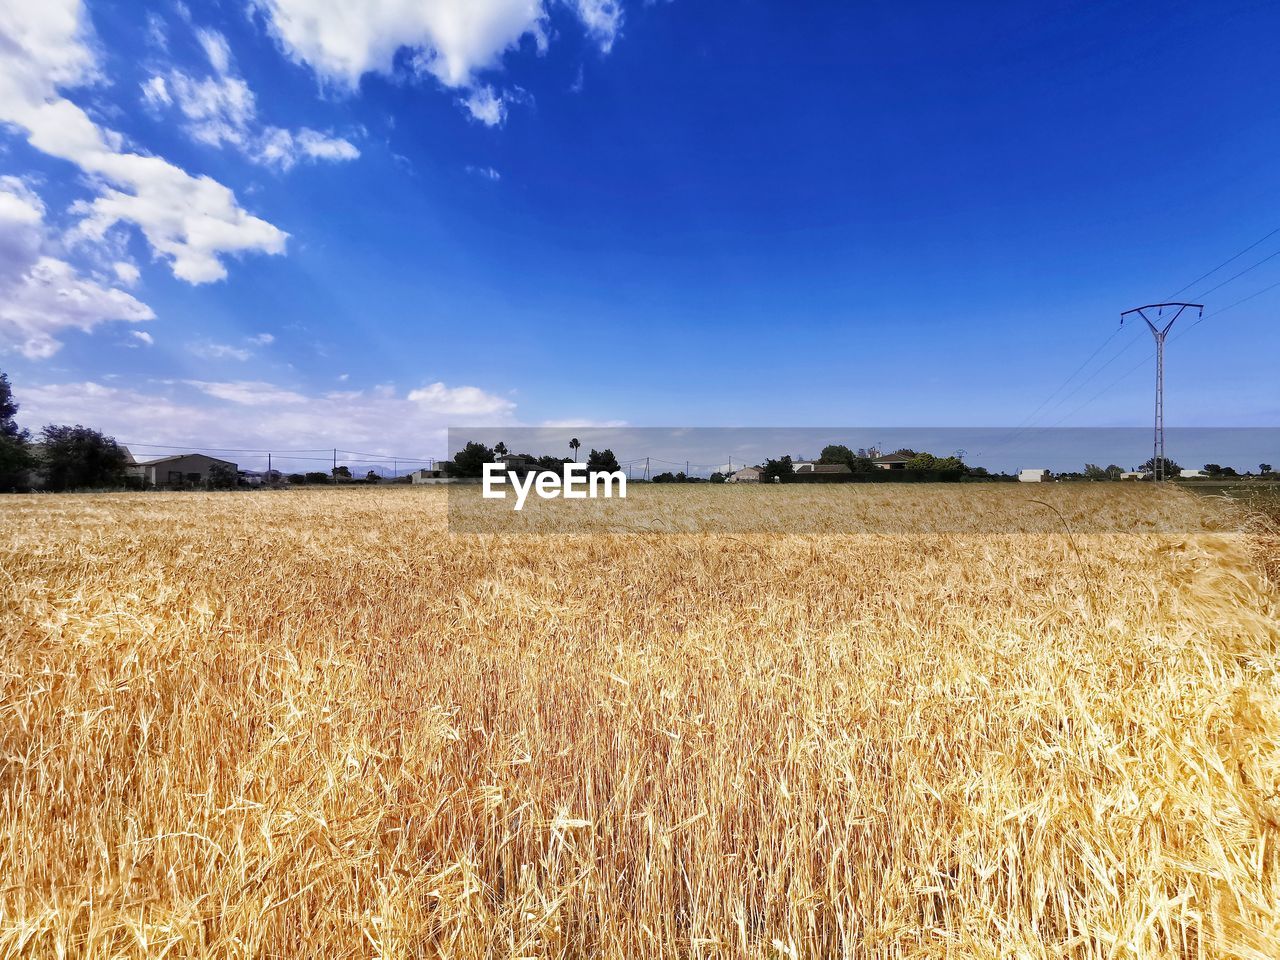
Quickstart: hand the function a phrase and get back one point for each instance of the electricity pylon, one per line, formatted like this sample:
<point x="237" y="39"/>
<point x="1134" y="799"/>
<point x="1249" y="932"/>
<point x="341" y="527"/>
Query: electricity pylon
<point x="1158" y="461"/>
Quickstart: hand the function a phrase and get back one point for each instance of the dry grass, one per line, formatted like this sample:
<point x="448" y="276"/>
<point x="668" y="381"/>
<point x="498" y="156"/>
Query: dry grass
<point x="315" y="724"/>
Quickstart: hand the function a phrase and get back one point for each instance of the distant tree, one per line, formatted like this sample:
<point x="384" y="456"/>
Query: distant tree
<point x="602" y="461"/>
<point x="665" y="477"/>
<point x="469" y="461"/>
<point x="836" y="453"/>
<point x="15" y="442"/>
<point x="681" y="477"/>
<point x="1113" y="471"/>
<point x="1264" y="468"/>
<point x="372" y="476"/>
<point x="778" y="470"/>
<point x="222" y="477"/>
<point x="1213" y="469"/>
<point x="718" y="477"/>
<point x="298" y="478"/>
<point x="78" y="458"/>
<point x="905" y="452"/>
<point x="1094" y="472"/>
<point x="574" y="444"/>
<point x="500" y="449"/>
<point x="978" y="471"/>
<point x="1170" y="468"/>
<point x="342" y="472"/>
<point x="553" y="463"/>
<point x="317" y="476"/>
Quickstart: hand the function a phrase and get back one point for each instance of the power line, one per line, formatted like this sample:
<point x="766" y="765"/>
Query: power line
<point x="1115" y="333"/>
<point x="1151" y="355"/>
<point x="1021" y="428"/>
<point x="1231" y="259"/>
<point x="1271" y="256"/>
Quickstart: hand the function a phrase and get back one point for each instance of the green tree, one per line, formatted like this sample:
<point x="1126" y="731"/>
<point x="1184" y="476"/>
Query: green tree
<point x="469" y="461"/>
<point x="342" y="472"/>
<point x="78" y="458"/>
<point x="778" y="470"/>
<point x="602" y="461"/>
<point x="717" y="477"/>
<point x="317" y="476"/>
<point x="1171" y="469"/>
<point x="500" y="449"/>
<point x="222" y="477"/>
<point x="1114" y="471"/>
<point x="836" y="453"/>
<point x="15" y="442"/>
<point x="1264" y="468"/>
<point x="1094" y="472"/>
<point x="574" y="444"/>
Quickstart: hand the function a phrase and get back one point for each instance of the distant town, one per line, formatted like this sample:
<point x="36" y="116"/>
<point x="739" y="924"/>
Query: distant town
<point x="75" y="457"/>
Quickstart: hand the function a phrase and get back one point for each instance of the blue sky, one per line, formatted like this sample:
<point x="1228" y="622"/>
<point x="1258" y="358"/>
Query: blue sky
<point x="265" y="225"/>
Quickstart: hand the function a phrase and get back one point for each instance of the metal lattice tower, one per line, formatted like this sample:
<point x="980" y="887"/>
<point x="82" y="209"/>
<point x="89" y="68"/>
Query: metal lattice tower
<point x="1158" y="461"/>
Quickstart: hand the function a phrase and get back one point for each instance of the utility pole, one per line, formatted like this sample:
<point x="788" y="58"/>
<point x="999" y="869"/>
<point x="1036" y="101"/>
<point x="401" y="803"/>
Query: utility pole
<point x="1160" y="332"/>
<point x="335" y="465"/>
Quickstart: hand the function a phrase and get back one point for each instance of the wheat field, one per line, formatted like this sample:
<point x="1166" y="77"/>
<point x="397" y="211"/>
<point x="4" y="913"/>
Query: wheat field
<point x="317" y="724"/>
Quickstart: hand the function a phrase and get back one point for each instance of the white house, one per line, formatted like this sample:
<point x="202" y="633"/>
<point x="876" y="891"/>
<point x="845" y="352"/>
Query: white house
<point x="1034" y="476"/>
<point x="746" y="475"/>
<point x="1135" y="475"/>
<point x="1194" y="474"/>
<point x="428" y="476"/>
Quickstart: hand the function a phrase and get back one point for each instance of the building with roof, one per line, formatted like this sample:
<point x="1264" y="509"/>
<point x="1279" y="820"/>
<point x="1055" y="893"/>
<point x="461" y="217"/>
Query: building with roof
<point x="184" y="470"/>
<point x="892" y="461"/>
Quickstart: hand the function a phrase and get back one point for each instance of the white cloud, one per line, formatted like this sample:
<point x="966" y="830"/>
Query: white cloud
<point x="218" y="109"/>
<point x="603" y="20"/>
<point x="451" y="40"/>
<point x="486" y="106"/>
<point x="190" y="221"/>
<point x="143" y="336"/>
<point x="40" y="295"/>
<point x="126" y="273"/>
<point x="247" y="393"/>
<point x="263" y="415"/>
<point x="216" y="49"/>
<point x="582" y="424"/>
<point x="466" y="401"/>
<point x="262" y="339"/>
<point x="222" y="110"/>
<point x="488" y="173"/>
<point x="281" y="148"/>
<point x="219" y="351"/>
<point x="156" y="92"/>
